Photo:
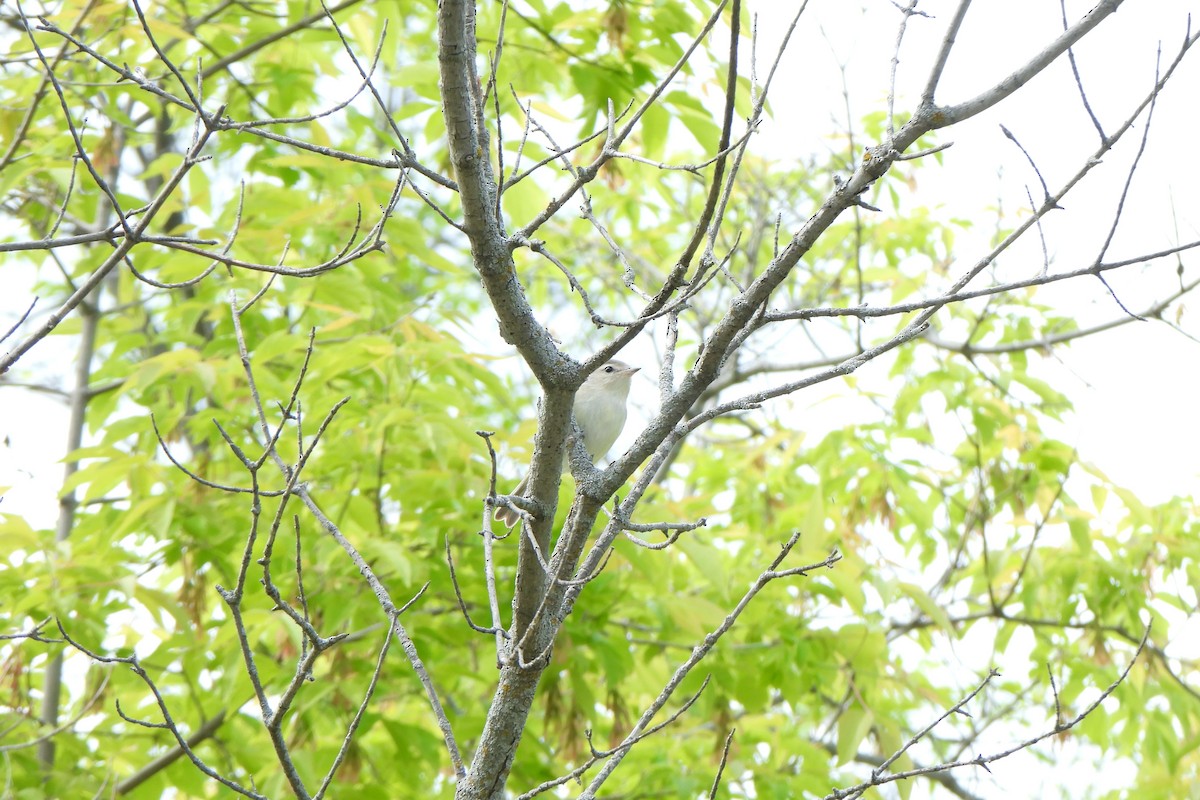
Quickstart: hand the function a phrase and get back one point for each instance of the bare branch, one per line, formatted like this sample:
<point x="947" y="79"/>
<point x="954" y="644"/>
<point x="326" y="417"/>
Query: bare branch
<point x="168" y="723"/>
<point x="84" y="708"/>
<point x="462" y="604"/>
<point x="206" y="730"/>
<point x="721" y="767"/>
<point x="489" y="564"/>
<point x="957" y="296"/>
<point x="617" y="137"/>
<point x="352" y="728"/>
<point x="625" y="746"/>
<point x="300" y="491"/>
<point x="950" y="115"/>
<point x="1062" y="4"/>
<point x="701" y="650"/>
<point x="20" y="320"/>
<point x="878" y="779"/>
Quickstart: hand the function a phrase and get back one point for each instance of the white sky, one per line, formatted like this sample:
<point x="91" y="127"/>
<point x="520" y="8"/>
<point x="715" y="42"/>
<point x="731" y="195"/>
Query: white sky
<point x="1135" y="389"/>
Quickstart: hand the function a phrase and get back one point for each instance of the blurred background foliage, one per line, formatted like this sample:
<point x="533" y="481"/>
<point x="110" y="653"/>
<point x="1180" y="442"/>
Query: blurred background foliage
<point x="971" y="537"/>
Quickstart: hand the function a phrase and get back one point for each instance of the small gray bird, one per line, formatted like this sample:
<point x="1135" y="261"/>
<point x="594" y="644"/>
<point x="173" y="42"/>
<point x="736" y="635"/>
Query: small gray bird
<point x="600" y="411"/>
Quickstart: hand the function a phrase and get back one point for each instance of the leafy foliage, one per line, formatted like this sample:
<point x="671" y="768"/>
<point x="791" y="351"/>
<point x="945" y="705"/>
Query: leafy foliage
<point x="970" y="537"/>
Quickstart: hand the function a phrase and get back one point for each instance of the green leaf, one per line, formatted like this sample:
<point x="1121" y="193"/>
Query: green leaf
<point x="852" y="727"/>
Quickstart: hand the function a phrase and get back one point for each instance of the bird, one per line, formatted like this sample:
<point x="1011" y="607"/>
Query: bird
<point x="600" y="410"/>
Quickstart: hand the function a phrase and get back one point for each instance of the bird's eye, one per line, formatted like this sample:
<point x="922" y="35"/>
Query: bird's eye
<point x="610" y="369"/>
